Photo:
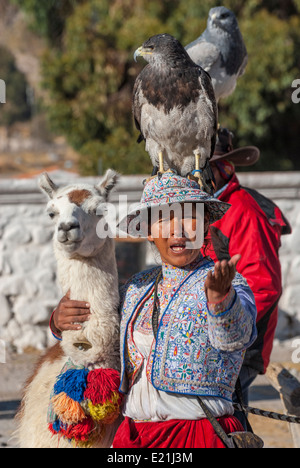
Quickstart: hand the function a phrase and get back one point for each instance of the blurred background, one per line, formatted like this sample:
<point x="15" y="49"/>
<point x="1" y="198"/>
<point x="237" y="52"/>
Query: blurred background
<point x="69" y="69"/>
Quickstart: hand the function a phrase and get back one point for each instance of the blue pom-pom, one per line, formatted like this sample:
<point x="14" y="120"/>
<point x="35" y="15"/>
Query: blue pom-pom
<point x="56" y="425"/>
<point x="73" y="382"/>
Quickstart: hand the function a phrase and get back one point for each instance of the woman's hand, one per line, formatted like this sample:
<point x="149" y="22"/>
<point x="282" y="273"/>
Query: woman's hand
<point x="218" y="284"/>
<point x="69" y="313"/>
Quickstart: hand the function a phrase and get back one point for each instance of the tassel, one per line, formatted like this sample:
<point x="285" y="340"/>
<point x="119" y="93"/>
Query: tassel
<point x="82" y="403"/>
<point x="73" y="383"/>
<point x="101" y="386"/>
<point x="68" y="410"/>
<point x="54" y="428"/>
<point x="79" y="444"/>
<point x="94" y="438"/>
<point x="108" y="412"/>
<point x="80" y="432"/>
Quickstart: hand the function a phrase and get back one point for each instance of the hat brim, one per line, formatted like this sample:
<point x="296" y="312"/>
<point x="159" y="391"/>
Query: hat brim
<point x="131" y="223"/>
<point x="241" y="157"/>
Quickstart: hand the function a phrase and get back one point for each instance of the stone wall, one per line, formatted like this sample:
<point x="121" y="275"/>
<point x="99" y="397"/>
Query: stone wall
<point x="28" y="289"/>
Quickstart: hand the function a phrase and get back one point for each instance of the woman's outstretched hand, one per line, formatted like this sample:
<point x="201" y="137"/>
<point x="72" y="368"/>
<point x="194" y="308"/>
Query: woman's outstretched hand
<point x="69" y="314"/>
<point x="218" y="283"/>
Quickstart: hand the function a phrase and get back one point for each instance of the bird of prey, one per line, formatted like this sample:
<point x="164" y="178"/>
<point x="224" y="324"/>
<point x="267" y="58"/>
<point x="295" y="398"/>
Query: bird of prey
<point x="221" y="51"/>
<point x="175" y="110"/>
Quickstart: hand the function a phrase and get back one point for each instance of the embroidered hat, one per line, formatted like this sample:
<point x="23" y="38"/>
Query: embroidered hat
<point x="169" y="189"/>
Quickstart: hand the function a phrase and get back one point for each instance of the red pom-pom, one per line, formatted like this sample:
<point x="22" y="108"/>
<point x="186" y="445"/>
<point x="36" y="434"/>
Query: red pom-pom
<point x="80" y="432"/>
<point x="101" y="385"/>
<point x="51" y="429"/>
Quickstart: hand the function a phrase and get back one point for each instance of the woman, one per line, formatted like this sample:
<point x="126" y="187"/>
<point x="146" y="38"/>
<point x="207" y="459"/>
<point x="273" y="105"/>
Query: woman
<point x="185" y="326"/>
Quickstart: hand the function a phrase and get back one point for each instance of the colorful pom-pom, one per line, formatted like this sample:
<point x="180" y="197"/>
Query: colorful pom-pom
<point x="101" y="385"/>
<point x="108" y="412"/>
<point x="54" y="428"/>
<point x="95" y="437"/>
<point x="83" y="402"/>
<point x="73" y="383"/>
<point x="68" y="410"/>
<point x="80" y="432"/>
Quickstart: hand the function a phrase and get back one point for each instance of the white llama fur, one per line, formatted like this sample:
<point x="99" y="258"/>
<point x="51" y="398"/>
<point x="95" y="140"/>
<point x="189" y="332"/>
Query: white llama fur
<point x="86" y="266"/>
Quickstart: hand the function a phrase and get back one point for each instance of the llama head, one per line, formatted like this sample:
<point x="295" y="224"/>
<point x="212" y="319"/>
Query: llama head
<point x="76" y="211"/>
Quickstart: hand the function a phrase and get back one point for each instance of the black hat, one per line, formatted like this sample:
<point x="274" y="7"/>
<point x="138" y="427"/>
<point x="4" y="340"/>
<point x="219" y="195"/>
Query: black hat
<point x="245" y="156"/>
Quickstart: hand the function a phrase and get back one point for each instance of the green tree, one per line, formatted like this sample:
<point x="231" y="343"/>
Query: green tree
<point x="48" y="17"/>
<point x="91" y="80"/>
<point x="16" y="107"/>
<point x="261" y="110"/>
<point x="89" y="73"/>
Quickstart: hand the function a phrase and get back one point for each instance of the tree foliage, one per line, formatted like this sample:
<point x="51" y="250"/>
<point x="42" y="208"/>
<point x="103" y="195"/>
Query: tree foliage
<point x="89" y="72"/>
<point x="48" y="17"/>
<point x="16" y="107"/>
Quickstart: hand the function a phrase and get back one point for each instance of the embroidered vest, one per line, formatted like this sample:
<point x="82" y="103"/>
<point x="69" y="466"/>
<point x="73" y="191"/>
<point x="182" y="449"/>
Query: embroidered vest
<point x="183" y="359"/>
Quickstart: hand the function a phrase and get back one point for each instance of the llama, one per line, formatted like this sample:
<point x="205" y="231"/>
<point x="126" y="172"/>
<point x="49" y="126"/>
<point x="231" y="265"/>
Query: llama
<point x="86" y="267"/>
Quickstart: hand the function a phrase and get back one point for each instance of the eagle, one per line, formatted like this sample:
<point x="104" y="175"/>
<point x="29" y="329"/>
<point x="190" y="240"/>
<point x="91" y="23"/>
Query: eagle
<point x="221" y="51"/>
<point x="175" y="110"/>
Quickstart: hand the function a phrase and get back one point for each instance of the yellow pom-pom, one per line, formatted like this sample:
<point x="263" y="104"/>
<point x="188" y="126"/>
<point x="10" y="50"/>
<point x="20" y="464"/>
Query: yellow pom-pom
<point x="106" y="413"/>
<point x="68" y="410"/>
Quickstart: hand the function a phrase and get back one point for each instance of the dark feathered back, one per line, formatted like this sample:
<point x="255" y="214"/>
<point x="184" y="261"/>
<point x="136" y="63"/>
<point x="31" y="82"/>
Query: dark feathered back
<point x="174" y="106"/>
<point x="178" y="82"/>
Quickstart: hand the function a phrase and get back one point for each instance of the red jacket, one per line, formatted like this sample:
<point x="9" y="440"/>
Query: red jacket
<point x="253" y="227"/>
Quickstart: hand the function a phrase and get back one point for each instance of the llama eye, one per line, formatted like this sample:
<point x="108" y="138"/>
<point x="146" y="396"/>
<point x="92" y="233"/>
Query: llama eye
<point x="51" y="215"/>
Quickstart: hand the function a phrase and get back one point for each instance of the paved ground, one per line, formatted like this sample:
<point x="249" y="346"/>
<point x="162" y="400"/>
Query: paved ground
<point x="275" y="434"/>
<point x="18" y="368"/>
<point x="13" y="374"/>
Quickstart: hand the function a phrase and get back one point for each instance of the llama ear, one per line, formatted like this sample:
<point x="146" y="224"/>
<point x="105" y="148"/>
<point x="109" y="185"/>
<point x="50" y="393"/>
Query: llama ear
<point x="110" y="180"/>
<point x="47" y="185"/>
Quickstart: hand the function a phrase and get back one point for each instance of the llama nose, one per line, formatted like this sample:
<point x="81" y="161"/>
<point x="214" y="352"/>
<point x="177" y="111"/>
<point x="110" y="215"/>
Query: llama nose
<point x="68" y="226"/>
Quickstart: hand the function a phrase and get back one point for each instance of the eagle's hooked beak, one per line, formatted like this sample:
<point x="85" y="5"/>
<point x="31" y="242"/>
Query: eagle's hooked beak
<point x="141" y="51"/>
<point x="137" y="53"/>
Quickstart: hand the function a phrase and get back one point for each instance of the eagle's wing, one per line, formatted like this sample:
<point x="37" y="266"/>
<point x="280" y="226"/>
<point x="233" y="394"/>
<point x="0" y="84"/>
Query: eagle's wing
<point x="211" y="103"/>
<point x="137" y="105"/>
<point x="204" y="54"/>
<point x="244" y="65"/>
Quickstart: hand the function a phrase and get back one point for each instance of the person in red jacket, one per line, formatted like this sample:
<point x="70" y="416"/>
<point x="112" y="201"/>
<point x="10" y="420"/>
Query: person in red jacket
<point x="252" y="227"/>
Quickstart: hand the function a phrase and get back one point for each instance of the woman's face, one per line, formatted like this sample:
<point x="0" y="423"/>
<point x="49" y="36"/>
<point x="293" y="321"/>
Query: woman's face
<point x="179" y="234"/>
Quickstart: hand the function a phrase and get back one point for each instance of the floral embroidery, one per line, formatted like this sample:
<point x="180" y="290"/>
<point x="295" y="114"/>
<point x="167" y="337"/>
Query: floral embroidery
<point x="184" y="372"/>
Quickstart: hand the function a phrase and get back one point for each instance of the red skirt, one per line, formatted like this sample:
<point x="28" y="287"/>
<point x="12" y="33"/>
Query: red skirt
<point x="176" y="433"/>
